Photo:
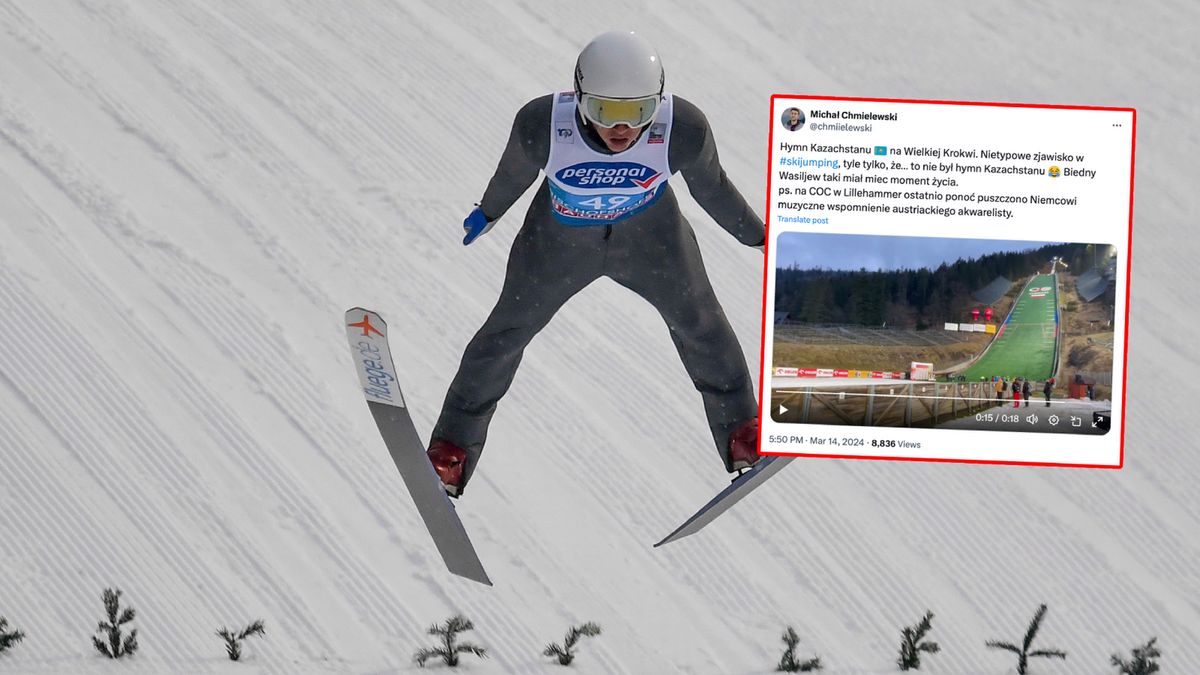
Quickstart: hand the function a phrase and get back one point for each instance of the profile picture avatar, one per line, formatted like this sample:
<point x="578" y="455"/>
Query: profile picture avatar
<point x="793" y="119"/>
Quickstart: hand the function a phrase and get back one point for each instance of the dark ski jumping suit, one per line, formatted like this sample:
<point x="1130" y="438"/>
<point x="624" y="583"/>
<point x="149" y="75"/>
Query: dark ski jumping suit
<point x="651" y="251"/>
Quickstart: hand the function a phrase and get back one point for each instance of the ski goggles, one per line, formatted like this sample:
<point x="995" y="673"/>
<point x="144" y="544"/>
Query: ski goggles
<point x="609" y="112"/>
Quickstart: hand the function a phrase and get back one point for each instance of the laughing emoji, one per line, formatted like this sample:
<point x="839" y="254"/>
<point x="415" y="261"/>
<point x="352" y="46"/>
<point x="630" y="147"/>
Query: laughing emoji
<point x="1054" y="171"/>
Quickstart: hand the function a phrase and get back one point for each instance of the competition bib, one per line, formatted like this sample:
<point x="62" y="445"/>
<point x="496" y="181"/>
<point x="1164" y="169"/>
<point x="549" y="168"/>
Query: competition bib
<point x="593" y="188"/>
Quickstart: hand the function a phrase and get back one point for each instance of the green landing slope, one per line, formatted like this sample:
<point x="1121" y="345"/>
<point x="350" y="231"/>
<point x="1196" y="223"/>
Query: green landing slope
<point x="1024" y="346"/>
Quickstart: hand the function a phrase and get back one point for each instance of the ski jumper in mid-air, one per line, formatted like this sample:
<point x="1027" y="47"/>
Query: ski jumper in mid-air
<point x="605" y="210"/>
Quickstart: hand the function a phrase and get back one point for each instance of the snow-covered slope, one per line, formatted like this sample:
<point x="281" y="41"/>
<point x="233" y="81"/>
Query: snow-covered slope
<point x="192" y="193"/>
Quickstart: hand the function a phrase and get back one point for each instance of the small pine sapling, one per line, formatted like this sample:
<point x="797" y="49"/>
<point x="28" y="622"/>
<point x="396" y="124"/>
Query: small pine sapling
<point x="115" y="648"/>
<point x="566" y="653"/>
<point x="1144" y="662"/>
<point x="233" y="641"/>
<point x="912" y="643"/>
<point x="1023" y="652"/>
<point x="8" y="638"/>
<point x="788" y="663"/>
<point x="450" y="648"/>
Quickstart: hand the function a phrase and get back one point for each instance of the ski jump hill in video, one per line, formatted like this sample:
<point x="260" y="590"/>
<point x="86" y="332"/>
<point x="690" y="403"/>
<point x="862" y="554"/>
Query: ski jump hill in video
<point x="1026" y="344"/>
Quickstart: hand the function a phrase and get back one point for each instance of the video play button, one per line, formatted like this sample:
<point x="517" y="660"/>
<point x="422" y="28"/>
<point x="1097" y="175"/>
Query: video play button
<point x="785" y="409"/>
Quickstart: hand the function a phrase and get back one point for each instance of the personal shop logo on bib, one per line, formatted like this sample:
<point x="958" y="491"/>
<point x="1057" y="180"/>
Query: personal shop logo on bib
<point x="607" y="175"/>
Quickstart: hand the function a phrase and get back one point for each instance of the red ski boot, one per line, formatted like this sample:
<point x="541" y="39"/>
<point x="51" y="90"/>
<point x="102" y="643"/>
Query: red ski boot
<point x="448" y="460"/>
<point x="743" y="446"/>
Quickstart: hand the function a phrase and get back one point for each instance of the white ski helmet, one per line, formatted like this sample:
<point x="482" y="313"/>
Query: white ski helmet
<point x="618" y="80"/>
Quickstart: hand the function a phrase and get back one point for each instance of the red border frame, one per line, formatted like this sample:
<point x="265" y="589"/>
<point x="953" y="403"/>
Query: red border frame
<point x="762" y="406"/>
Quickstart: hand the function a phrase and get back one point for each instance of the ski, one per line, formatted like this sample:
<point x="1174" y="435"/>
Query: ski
<point x="740" y="487"/>
<point x="367" y="334"/>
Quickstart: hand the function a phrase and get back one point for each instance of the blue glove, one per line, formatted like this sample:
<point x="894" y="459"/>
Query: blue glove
<point x="475" y="225"/>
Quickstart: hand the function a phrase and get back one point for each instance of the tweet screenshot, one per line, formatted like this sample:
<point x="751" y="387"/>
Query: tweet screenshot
<point x="947" y="281"/>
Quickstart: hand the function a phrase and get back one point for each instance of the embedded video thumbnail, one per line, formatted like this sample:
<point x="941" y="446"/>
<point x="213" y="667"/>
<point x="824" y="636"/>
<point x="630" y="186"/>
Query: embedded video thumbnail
<point x="943" y="333"/>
